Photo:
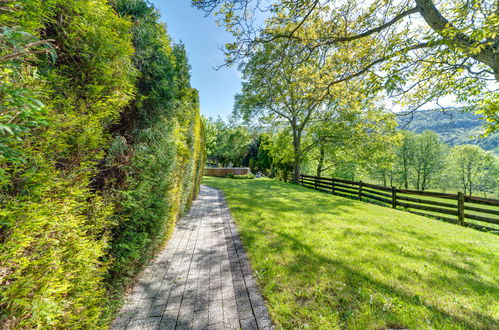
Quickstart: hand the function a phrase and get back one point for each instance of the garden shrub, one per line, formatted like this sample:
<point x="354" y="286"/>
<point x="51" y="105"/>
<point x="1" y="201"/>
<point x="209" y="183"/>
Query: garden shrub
<point x="245" y="176"/>
<point x="101" y="149"/>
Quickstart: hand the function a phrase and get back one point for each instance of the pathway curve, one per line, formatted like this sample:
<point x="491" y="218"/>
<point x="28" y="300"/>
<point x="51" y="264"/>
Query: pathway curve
<point x="201" y="280"/>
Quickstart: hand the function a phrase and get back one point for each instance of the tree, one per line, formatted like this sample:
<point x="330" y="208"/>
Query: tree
<point x="357" y="131"/>
<point x="229" y="143"/>
<point x="429" y="158"/>
<point x="280" y="149"/>
<point x="405" y="157"/>
<point x="420" y="50"/>
<point x="213" y="131"/>
<point x="288" y="96"/>
<point x="473" y="168"/>
<point x="259" y="159"/>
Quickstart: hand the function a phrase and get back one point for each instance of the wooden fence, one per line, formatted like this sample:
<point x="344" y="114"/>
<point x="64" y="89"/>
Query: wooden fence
<point x="455" y="208"/>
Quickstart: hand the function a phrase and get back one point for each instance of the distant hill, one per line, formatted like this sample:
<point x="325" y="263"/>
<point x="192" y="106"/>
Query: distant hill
<point x="454" y="126"/>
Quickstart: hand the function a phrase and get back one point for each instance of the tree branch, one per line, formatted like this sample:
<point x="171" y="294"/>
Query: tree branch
<point x="374" y="30"/>
<point x="378" y="61"/>
<point x="27" y="51"/>
<point x="488" y="55"/>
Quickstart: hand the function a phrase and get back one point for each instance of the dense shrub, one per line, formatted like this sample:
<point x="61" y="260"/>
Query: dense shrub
<point x="244" y="176"/>
<point x="162" y="132"/>
<point x="101" y="149"/>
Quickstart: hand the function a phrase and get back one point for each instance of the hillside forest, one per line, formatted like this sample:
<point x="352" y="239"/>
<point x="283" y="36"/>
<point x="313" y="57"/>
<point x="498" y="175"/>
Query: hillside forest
<point x="454" y="126"/>
<point x="101" y="150"/>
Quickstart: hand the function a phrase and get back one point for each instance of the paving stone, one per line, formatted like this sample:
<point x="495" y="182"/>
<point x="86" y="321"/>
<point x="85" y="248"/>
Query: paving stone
<point x="200" y="323"/>
<point x="174" y="303"/>
<point x="243" y="302"/>
<point x="218" y="326"/>
<point x="168" y="324"/>
<point x="232" y="324"/>
<point x="230" y="313"/>
<point x="244" y="313"/>
<point x="157" y="310"/>
<point x="215" y="294"/>
<point x="201" y="280"/>
<point x="248" y="324"/>
<point x="229" y="302"/>
<point x="121" y="321"/>
<point x="144" y="323"/>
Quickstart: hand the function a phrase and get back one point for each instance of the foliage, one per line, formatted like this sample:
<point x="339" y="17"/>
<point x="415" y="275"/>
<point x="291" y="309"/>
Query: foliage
<point x="454" y="126"/>
<point x="324" y="261"/>
<point x="101" y="149"/>
<point x="245" y="176"/>
<point x="291" y="95"/>
<point x="280" y="149"/>
<point x="424" y="162"/>
<point x="473" y="169"/>
<point x="298" y="97"/>
<point x="416" y="51"/>
<point x="429" y="157"/>
<point x="406" y="157"/>
<point x="54" y="227"/>
<point x="229" y="143"/>
<point x="260" y="159"/>
<point x="357" y="133"/>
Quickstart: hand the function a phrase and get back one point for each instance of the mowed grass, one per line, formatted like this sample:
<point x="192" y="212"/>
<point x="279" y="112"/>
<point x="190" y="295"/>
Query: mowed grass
<point x="326" y="262"/>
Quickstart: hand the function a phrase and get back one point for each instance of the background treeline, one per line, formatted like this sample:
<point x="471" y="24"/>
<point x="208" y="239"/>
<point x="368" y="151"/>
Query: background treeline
<point x="101" y="149"/>
<point x="424" y="162"/>
<point x="403" y="159"/>
<point x="454" y="126"/>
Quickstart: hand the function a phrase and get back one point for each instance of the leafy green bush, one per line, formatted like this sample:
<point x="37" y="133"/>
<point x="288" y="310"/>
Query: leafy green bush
<point x="245" y="176"/>
<point x="101" y="150"/>
<point x="160" y="133"/>
<point x="230" y="175"/>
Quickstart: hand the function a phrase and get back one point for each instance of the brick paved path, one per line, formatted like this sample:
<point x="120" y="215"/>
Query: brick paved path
<point x="201" y="280"/>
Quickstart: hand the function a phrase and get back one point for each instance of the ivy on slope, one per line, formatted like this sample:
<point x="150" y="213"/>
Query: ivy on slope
<point x="101" y="149"/>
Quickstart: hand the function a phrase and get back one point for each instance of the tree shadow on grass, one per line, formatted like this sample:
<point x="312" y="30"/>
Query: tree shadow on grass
<point x="257" y="197"/>
<point x="307" y="261"/>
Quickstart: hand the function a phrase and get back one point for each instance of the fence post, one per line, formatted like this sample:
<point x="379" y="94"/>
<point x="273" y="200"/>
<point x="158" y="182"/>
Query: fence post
<point x="315" y="183"/>
<point x="301" y="179"/>
<point x="460" y="208"/>
<point x="360" y="190"/>
<point x="332" y="187"/>
<point x="394" y="197"/>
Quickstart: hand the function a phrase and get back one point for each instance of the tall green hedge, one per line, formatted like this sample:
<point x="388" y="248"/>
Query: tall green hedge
<point x="101" y="150"/>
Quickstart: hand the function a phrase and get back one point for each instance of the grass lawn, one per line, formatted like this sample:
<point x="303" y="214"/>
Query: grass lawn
<point x="326" y="262"/>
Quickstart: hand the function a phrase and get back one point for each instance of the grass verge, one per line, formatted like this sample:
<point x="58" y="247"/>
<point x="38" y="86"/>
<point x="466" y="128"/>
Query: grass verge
<point x="327" y="262"/>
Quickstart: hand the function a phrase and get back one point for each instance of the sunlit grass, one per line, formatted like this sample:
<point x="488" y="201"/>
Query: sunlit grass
<point x="328" y="262"/>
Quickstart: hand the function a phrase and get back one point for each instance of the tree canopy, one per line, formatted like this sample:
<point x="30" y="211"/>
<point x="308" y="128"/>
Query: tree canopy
<point x="417" y="51"/>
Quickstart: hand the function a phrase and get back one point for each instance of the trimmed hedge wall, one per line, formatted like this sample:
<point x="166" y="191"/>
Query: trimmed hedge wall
<point x="101" y="150"/>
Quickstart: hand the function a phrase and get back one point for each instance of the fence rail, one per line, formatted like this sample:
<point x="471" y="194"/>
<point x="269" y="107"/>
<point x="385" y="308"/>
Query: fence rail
<point x="456" y="208"/>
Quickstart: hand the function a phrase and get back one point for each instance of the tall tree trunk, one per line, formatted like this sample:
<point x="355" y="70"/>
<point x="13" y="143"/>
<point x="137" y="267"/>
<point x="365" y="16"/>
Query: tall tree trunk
<point x="423" y="181"/>
<point x="418" y="178"/>
<point x="298" y="155"/>
<point x="406" y="174"/>
<point x="321" y="159"/>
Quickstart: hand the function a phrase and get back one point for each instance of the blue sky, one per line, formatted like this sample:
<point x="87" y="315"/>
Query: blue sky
<point x="202" y="38"/>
